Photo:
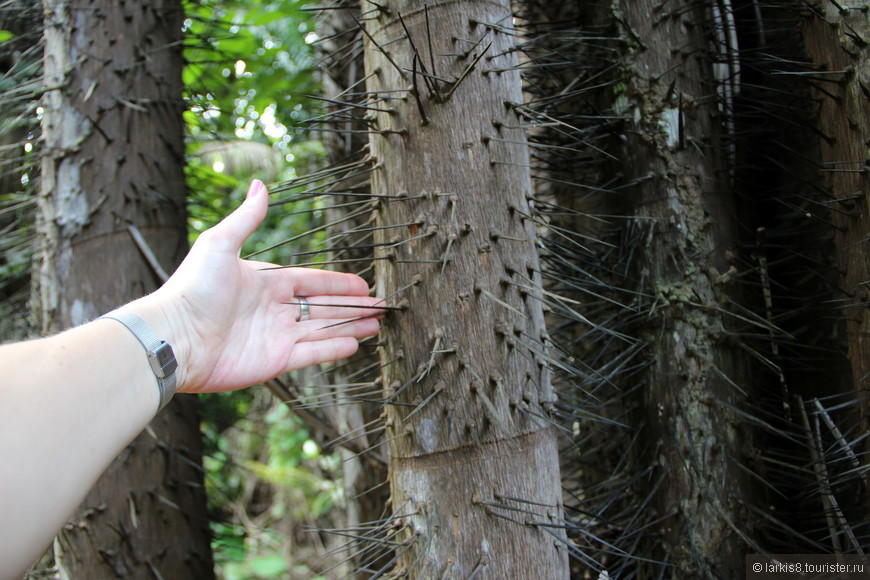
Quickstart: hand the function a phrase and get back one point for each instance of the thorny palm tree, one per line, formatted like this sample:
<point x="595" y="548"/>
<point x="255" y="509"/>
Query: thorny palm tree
<point x="466" y="391"/>
<point x="111" y="223"/>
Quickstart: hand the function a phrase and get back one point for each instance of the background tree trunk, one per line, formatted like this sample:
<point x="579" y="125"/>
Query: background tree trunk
<point x="575" y="108"/>
<point x="837" y="42"/>
<point x="468" y="398"/>
<point x="114" y="166"/>
<point x="681" y="203"/>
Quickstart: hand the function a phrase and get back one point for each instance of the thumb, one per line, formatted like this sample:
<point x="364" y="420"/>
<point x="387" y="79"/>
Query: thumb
<point x="239" y="225"/>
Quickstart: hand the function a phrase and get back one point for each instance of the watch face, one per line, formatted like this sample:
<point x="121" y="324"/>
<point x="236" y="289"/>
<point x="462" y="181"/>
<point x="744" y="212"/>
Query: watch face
<point x="164" y="362"/>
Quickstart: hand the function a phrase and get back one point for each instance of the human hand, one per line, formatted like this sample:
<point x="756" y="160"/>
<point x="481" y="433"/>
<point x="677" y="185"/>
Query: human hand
<point x="235" y="323"/>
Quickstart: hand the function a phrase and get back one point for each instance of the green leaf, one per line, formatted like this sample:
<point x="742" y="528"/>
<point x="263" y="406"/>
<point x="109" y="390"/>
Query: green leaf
<point x="269" y="566"/>
<point x="267" y="17"/>
<point x="238" y="46"/>
<point x="6" y="35"/>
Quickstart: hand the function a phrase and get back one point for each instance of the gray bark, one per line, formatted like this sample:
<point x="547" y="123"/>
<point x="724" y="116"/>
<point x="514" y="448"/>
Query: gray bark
<point x="675" y="155"/>
<point x="474" y="468"/>
<point x="114" y="161"/>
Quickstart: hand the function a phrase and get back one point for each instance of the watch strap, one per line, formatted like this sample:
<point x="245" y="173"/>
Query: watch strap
<point x="160" y="354"/>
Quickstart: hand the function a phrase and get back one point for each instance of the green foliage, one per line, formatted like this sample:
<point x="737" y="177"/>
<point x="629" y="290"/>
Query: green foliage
<point x="20" y="89"/>
<point x="235" y="558"/>
<point x="17" y="231"/>
<point x="249" y="68"/>
<point x="213" y="194"/>
<point x="221" y="412"/>
<point x="264" y="475"/>
<point x="289" y="466"/>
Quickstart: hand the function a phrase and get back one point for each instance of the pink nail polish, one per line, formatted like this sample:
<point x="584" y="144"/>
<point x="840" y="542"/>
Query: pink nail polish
<point x="255" y="189"/>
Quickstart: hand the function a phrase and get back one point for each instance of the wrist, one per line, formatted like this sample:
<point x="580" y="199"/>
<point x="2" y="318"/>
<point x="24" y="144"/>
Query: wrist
<point x="156" y="314"/>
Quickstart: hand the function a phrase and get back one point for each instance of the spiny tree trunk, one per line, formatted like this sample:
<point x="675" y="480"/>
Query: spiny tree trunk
<point x="837" y="40"/>
<point x="676" y="159"/>
<point x="791" y="283"/>
<point x="776" y="306"/>
<point x="474" y="469"/>
<point x="114" y="166"/>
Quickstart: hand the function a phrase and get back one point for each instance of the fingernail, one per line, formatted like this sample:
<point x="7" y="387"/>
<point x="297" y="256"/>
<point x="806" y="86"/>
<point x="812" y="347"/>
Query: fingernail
<point x="255" y="189"/>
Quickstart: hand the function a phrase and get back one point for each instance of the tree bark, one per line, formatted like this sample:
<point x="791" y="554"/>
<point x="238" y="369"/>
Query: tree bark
<point x="675" y="156"/>
<point x="113" y="166"/>
<point x="837" y="41"/>
<point x="474" y="468"/>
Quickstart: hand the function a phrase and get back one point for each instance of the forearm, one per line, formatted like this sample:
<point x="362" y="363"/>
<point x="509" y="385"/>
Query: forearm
<point x="68" y="405"/>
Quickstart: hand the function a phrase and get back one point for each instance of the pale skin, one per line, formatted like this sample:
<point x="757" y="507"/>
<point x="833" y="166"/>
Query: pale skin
<point x="70" y="403"/>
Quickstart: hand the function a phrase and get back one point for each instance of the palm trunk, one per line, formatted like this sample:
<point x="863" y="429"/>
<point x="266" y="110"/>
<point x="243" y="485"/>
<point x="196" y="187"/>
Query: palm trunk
<point x="472" y="455"/>
<point x="836" y="41"/>
<point x="675" y="156"/>
<point x="114" y="167"/>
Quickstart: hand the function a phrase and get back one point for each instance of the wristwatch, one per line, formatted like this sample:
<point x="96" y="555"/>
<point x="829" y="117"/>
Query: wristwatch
<point x="161" y="357"/>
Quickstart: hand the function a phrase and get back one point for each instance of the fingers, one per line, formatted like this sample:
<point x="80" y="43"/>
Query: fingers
<point x="289" y="282"/>
<point x="239" y="225"/>
<point x="321" y="351"/>
<point x="316" y="330"/>
<point x="313" y="282"/>
<point x="341" y="307"/>
<point x="330" y="340"/>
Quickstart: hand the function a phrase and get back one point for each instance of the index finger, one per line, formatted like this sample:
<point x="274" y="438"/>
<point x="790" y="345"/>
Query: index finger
<point x="314" y="282"/>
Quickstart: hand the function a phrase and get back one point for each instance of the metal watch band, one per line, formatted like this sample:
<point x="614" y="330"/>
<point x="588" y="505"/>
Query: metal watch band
<point x="160" y="354"/>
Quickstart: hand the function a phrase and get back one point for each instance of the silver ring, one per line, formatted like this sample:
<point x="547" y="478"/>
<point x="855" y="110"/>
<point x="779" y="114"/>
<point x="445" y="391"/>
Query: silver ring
<point x="304" y="309"/>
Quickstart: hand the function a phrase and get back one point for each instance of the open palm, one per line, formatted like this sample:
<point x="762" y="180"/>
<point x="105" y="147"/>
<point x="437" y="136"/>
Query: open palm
<point x="241" y="318"/>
